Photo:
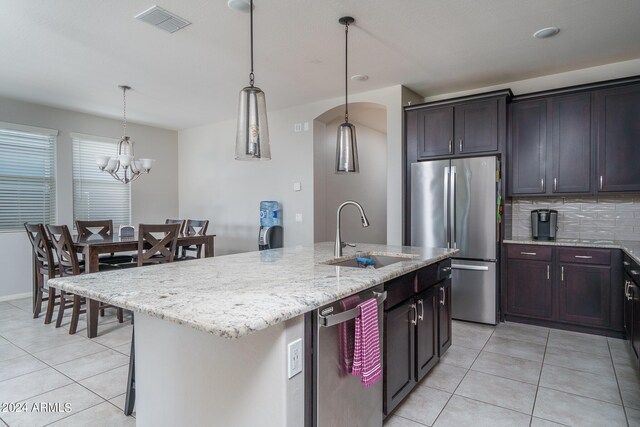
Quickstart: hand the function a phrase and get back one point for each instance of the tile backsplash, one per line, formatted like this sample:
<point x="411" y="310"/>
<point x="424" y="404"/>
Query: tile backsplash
<point x="594" y="217"/>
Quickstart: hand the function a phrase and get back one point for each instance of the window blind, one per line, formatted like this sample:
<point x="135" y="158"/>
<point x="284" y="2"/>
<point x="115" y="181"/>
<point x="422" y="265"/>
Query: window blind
<point x="96" y="195"/>
<point x="27" y="176"/>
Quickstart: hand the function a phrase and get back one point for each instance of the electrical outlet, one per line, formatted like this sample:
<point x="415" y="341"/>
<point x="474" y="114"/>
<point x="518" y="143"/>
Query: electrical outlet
<point x="305" y="126"/>
<point x="297" y="127"/>
<point x="298" y="217"/>
<point x="297" y="186"/>
<point x="294" y="351"/>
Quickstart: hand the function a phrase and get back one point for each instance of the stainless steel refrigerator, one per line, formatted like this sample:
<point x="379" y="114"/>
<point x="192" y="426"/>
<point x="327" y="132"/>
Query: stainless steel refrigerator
<point x="453" y="205"/>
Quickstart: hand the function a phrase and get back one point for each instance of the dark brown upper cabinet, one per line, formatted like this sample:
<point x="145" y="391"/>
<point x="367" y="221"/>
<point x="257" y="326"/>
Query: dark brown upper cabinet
<point x="618" y="139"/>
<point x="528" y="147"/>
<point x="550" y="145"/>
<point x="458" y="127"/>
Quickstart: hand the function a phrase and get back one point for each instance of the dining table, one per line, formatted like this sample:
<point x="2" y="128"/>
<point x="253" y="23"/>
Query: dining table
<point x="95" y="244"/>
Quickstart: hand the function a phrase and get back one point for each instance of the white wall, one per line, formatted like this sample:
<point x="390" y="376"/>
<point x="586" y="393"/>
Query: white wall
<point x="369" y="187"/>
<point x="153" y="197"/>
<point x="213" y="185"/>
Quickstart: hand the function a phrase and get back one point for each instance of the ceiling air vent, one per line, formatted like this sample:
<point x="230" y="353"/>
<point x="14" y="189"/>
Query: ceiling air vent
<point x="163" y="19"/>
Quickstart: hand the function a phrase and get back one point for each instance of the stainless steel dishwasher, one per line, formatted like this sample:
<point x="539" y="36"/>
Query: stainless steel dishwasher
<point x="340" y="398"/>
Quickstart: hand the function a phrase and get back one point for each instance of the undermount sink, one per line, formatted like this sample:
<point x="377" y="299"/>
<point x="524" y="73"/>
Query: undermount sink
<point x="379" y="260"/>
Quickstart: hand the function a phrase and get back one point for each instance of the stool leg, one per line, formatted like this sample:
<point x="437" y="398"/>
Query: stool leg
<point x="120" y="315"/>
<point x="61" y="308"/>
<point x="75" y="315"/>
<point x="51" y="303"/>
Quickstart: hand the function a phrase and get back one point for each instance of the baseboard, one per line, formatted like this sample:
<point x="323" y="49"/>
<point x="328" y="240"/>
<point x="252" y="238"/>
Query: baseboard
<point x="14" y="296"/>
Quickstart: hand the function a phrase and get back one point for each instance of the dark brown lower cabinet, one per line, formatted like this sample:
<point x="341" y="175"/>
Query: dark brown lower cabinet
<point x="529" y="288"/>
<point x="565" y="287"/>
<point x="444" y="317"/>
<point x="584" y="294"/>
<point x="427" y="345"/>
<point x="417" y="329"/>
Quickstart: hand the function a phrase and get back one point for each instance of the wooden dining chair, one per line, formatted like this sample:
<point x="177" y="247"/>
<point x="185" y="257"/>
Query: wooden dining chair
<point x="176" y="221"/>
<point x="194" y="227"/>
<point x="69" y="265"/>
<point x="102" y="228"/>
<point x="157" y="250"/>
<point x="44" y="266"/>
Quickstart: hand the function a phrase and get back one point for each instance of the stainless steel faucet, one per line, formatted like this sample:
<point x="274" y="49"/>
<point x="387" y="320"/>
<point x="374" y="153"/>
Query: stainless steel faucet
<point x="365" y="223"/>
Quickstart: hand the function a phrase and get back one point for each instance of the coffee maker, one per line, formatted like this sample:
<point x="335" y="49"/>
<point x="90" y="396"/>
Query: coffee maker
<point x="544" y="224"/>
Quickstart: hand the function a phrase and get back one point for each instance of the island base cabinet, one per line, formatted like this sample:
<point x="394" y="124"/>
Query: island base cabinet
<point x="444" y="317"/>
<point x="427" y="344"/>
<point x="399" y="355"/>
<point x="187" y="377"/>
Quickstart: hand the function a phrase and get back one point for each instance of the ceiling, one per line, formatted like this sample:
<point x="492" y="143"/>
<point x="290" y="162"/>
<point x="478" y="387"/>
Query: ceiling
<point x="73" y="53"/>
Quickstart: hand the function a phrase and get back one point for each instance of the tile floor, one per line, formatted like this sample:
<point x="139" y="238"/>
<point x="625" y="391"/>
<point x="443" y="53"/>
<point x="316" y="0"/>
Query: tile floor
<point x="521" y="375"/>
<point x="42" y="364"/>
<point x="510" y="375"/>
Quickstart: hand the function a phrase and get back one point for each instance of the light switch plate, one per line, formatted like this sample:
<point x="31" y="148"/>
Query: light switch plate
<point x="298" y="217"/>
<point x="294" y="353"/>
<point x="297" y="186"/>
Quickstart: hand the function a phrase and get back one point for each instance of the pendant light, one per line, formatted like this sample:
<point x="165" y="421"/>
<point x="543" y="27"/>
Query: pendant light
<point x="252" y="137"/>
<point x="346" y="146"/>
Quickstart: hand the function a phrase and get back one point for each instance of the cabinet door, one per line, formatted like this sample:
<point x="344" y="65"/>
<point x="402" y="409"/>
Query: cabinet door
<point x="444" y="317"/>
<point x="634" y="293"/>
<point x="529" y="289"/>
<point x="528" y="142"/>
<point x="584" y="294"/>
<point x="427" y="331"/>
<point x="571" y="144"/>
<point x="628" y="308"/>
<point x="476" y="127"/>
<point x="435" y="132"/>
<point x="399" y="355"/>
<point x="618" y="115"/>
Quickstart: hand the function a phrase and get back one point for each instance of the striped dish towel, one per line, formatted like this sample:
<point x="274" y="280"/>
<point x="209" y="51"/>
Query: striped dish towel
<point x="366" y="353"/>
<point x="346" y="333"/>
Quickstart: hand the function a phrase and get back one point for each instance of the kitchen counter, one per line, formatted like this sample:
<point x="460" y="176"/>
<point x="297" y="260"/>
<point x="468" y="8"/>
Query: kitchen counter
<point x="189" y="372"/>
<point x="236" y="295"/>
<point x="631" y="248"/>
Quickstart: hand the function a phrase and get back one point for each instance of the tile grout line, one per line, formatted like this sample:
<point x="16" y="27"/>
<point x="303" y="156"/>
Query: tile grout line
<point x="535" y="398"/>
<point x="465" y="374"/>
<point x="615" y="373"/>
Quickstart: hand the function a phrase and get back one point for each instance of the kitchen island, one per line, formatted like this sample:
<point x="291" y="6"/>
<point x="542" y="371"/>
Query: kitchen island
<point x="211" y="334"/>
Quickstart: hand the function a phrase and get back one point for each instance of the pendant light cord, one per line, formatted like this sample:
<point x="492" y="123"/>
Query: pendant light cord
<point x="346" y="73"/>
<point x="124" y="111"/>
<point x="251" y="76"/>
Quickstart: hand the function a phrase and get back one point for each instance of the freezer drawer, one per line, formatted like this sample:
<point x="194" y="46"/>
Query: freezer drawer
<point x="474" y="291"/>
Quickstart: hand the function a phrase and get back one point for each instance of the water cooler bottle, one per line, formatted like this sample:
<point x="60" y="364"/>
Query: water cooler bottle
<point x="270" y="235"/>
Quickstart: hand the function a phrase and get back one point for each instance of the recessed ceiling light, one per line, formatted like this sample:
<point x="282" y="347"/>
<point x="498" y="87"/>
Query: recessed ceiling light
<point x="545" y="33"/>
<point x="239" y="5"/>
<point x="359" y="77"/>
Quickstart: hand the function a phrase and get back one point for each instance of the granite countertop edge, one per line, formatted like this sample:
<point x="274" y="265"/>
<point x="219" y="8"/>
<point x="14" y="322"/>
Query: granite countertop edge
<point x="334" y="283"/>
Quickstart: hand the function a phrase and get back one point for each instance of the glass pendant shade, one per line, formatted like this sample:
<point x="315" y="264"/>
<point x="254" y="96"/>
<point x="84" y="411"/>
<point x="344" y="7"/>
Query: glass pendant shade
<point x="252" y="138"/>
<point x="347" y="149"/>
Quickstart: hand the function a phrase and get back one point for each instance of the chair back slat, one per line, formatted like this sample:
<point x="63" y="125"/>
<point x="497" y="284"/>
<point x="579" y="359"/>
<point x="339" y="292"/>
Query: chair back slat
<point x="101" y="227"/>
<point x="64" y="248"/>
<point x="155" y="250"/>
<point x="196" y="227"/>
<point x="41" y="245"/>
<point x="176" y="221"/>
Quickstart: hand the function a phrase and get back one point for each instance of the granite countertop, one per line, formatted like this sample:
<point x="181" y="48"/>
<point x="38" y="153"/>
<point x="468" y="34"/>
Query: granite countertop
<point x="630" y="247"/>
<point x="235" y="295"/>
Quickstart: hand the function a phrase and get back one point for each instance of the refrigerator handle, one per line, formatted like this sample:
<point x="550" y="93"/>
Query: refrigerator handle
<point x="446" y="207"/>
<point x="452" y="205"/>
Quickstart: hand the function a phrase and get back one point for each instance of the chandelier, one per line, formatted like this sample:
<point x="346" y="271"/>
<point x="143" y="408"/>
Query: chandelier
<point x="124" y="167"/>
